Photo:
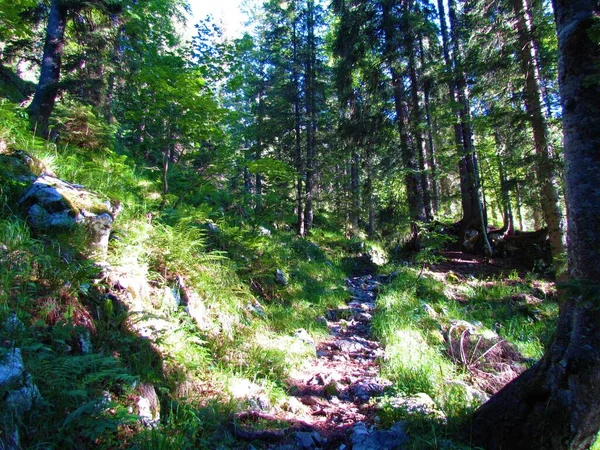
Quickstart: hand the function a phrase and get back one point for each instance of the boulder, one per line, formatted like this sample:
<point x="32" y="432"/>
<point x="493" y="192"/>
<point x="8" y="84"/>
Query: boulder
<point x="280" y="278"/>
<point x="309" y="440"/>
<point x="262" y="231"/>
<point x="20" y="394"/>
<point x="363" y="438"/>
<point x="55" y="205"/>
<point x="148" y="405"/>
<point x="12" y="369"/>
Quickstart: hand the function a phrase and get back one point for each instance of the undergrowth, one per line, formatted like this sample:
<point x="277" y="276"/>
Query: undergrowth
<point x="429" y="323"/>
<point x="193" y="309"/>
<point x="203" y="300"/>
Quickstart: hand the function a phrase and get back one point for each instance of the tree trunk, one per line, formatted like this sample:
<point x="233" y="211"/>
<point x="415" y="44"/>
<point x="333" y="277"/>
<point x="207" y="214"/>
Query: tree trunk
<point x="45" y="94"/>
<point x="355" y="192"/>
<point x="546" y="177"/>
<point x="417" y="130"/>
<point x="297" y="136"/>
<point x="473" y="211"/>
<point x="469" y="208"/>
<point x="435" y="200"/>
<point x="556" y="404"/>
<point x="369" y="193"/>
<point x="311" y="127"/>
<point x="414" y="192"/>
<point x="507" y="216"/>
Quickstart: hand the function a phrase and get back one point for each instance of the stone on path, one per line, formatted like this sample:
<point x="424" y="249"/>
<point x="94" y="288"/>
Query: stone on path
<point x="363" y="438"/>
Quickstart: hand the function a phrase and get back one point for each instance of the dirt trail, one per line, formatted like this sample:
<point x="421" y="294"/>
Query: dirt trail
<point x="331" y="396"/>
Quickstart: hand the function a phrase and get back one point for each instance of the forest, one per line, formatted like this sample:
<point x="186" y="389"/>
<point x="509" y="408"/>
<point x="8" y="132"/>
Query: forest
<point x="357" y="224"/>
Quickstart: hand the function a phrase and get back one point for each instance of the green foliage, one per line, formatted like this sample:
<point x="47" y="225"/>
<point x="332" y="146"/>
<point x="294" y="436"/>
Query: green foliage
<point x="79" y="125"/>
<point x="12" y="23"/>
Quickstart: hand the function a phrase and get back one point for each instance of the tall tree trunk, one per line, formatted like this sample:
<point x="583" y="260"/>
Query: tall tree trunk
<point x="45" y="94"/>
<point x="414" y="192"/>
<point x="435" y="200"/>
<point x="311" y="127"/>
<point x="507" y="216"/>
<point x="355" y="192"/>
<point x="297" y="136"/>
<point x="520" y="206"/>
<point x="556" y="404"/>
<point x="473" y="211"/>
<point x="258" y="188"/>
<point x="369" y="192"/>
<point x="546" y="177"/>
<point x="465" y="191"/>
<point x="417" y="129"/>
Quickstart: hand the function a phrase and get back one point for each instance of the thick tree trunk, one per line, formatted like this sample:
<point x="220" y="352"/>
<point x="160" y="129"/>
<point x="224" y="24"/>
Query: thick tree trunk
<point x="556" y="404"/>
<point x="578" y="64"/>
<point x="45" y="94"/>
<point x="546" y="177"/>
<point x="469" y="201"/>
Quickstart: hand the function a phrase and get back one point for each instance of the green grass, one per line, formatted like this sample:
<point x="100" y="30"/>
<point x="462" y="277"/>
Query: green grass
<point x="414" y="314"/>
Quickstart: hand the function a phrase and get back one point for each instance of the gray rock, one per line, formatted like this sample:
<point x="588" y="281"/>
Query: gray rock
<point x="85" y="343"/>
<point x="473" y="396"/>
<point x="303" y="335"/>
<point x="21" y="400"/>
<point x="262" y="231"/>
<point x="170" y="299"/>
<point x="12" y="369"/>
<point x="364" y="439"/>
<point x="148" y="405"/>
<point x="212" y="227"/>
<point x="367" y="388"/>
<point x="421" y="404"/>
<point x="429" y="310"/>
<point x="309" y="440"/>
<point x="280" y="278"/>
<point x="257" y="309"/>
<point x="53" y="204"/>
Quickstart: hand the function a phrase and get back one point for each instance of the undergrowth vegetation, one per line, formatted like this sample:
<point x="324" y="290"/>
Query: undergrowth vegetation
<point x="204" y="303"/>
<point x="186" y="299"/>
<point x="459" y="340"/>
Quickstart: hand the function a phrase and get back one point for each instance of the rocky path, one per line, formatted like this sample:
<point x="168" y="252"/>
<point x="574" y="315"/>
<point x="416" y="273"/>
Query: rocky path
<point x="330" y="399"/>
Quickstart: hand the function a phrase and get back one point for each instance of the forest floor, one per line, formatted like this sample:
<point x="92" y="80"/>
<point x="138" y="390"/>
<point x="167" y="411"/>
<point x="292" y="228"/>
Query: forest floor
<point x="332" y="398"/>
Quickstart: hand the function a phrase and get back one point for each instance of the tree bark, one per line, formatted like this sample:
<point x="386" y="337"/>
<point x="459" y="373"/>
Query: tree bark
<point x="355" y="192"/>
<point x="507" y="215"/>
<point x="311" y="127"/>
<point x="474" y="214"/>
<point x="414" y="192"/>
<point x="297" y="136"/>
<point x="556" y="404"/>
<point x="435" y="199"/>
<point x="417" y="132"/>
<point x="546" y="177"/>
<point x="45" y="94"/>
